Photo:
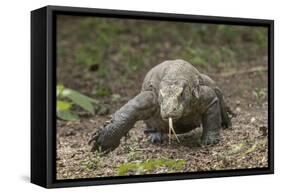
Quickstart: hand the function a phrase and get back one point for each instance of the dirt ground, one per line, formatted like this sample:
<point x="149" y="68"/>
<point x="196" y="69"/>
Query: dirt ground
<point x="244" y="146"/>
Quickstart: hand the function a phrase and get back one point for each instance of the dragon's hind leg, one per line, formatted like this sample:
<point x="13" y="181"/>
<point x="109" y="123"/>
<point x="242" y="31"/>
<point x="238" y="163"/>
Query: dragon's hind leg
<point x="225" y="110"/>
<point x="157" y="137"/>
<point x="154" y="135"/>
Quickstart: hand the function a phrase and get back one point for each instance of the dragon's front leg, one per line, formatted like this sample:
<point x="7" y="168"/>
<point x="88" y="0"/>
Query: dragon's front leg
<point x="141" y="107"/>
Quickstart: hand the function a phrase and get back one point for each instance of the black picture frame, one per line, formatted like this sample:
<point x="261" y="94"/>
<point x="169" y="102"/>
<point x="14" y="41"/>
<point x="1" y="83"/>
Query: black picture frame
<point x="43" y="95"/>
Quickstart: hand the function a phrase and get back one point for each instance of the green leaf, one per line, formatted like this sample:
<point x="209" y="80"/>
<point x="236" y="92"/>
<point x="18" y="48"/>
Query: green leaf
<point x="67" y="115"/>
<point x="62" y="105"/>
<point x="60" y="88"/>
<point x="81" y="100"/>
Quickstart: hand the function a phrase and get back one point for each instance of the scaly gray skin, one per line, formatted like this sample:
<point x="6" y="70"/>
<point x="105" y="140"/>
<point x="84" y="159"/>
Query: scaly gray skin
<point x="173" y="89"/>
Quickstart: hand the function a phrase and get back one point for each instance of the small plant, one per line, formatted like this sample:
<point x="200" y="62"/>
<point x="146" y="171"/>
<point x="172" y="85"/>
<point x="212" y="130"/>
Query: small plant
<point x="93" y="162"/>
<point x="67" y="99"/>
<point x="259" y="94"/>
<point x="151" y="165"/>
<point x="101" y="91"/>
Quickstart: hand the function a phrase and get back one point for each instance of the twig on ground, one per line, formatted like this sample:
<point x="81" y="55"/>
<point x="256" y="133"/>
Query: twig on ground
<point x="252" y="70"/>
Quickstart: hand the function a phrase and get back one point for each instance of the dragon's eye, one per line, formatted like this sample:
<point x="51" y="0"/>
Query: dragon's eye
<point x="181" y="96"/>
<point x="182" y="93"/>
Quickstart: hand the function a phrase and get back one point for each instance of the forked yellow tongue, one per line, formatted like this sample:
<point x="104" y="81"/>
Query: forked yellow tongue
<point x="171" y="129"/>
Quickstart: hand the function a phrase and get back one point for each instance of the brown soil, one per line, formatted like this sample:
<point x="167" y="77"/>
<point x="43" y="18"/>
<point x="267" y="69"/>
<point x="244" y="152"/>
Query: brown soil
<point x="243" y="146"/>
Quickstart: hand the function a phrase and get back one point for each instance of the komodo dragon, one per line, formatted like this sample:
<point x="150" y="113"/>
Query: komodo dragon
<point x="173" y="91"/>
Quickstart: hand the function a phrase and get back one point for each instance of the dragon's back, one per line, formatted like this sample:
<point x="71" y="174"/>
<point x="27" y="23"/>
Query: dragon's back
<point x="168" y="71"/>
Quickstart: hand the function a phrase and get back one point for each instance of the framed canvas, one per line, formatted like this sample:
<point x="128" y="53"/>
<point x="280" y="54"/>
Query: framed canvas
<point x="126" y="96"/>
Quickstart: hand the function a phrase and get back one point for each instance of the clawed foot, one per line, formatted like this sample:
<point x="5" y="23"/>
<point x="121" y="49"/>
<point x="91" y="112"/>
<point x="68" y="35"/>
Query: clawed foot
<point x="94" y="141"/>
<point x="211" y="138"/>
<point x="102" y="141"/>
<point x="157" y="137"/>
<point x="227" y="124"/>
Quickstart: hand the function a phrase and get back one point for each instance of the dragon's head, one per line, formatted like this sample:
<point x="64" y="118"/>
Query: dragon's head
<point x="174" y="98"/>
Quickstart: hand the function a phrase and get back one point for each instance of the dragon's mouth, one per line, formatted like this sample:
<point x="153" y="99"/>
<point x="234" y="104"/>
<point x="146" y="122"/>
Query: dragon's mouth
<point x="171" y="129"/>
<point x="174" y="118"/>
